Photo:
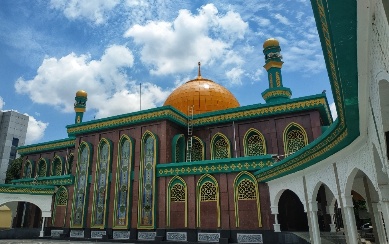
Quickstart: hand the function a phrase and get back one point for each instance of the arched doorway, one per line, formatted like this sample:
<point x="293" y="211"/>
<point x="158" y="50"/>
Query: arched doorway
<point x="361" y="207"/>
<point x="291" y="215"/>
<point x="20" y="215"/>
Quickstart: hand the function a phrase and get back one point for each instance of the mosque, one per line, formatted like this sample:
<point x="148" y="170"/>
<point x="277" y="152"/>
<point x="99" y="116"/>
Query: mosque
<point x="203" y="168"/>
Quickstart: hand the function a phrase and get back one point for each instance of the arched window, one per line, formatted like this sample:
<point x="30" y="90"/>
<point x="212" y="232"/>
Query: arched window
<point x="123" y="182"/>
<point x="81" y="190"/>
<point x="101" y="183"/>
<point x="56" y="166"/>
<point x="295" y="138"/>
<point x="177" y="208"/>
<point x="208" y="206"/>
<point x="27" y="169"/>
<point x="197" y="152"/>
<point x="61" y="200"/>
<point x="208" y="192"/>
<point x="220" y="147"/>
<point x="42" y="167"/>
<point x="61" y="197"/>
<point x="246" y="194"/>
<point x="147" y="191"/>
<point x="246" y="190"/>
<point x="178" y="147"/>
<point x="254" y="143"/>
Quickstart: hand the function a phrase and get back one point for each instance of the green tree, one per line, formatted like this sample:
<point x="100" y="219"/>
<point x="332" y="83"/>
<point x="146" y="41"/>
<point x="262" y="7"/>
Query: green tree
<point x="14" y="170"/>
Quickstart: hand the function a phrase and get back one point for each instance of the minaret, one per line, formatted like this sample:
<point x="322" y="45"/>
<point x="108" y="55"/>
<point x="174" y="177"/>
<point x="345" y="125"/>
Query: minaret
<point x="80" y="105"/>
<point x="273" y="64"/>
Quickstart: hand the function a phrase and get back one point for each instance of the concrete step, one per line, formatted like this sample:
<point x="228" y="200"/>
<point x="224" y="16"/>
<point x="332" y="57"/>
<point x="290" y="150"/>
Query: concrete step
<point x="326" y="237"/>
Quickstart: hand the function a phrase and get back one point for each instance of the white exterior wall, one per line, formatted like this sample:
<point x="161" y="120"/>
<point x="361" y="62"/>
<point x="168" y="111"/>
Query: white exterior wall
<point x="12" y="125"/>
<point x="367" y="154"/>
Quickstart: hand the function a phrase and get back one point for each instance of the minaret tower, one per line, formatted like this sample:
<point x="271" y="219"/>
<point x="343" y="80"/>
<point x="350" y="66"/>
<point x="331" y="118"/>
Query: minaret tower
<point x="80" y="105"/>
<point x="276" y="91"/>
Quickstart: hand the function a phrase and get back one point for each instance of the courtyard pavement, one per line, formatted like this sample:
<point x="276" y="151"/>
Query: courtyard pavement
<point x="43" y="241"/>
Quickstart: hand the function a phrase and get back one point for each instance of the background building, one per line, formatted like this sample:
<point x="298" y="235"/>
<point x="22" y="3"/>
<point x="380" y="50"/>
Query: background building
<point x="13" y="130"/>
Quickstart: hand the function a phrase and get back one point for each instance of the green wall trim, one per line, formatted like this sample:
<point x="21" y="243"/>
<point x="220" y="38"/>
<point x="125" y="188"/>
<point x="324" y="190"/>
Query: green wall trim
<point x="27" y="189"/>
<point x="46" y="146"/>
<point x="336" y="23"/>
<point x="315" y="102"/>
<point x="225" y="165"/>
<point x="62" y="180"/>
<point x="149" y="115"/>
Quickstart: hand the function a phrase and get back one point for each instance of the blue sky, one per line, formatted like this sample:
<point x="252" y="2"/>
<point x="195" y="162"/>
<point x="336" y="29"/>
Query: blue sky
<point x="51" y="49"/>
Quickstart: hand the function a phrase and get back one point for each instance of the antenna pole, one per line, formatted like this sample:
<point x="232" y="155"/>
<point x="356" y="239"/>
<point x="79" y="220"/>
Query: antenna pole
<point x="140" y="96"/>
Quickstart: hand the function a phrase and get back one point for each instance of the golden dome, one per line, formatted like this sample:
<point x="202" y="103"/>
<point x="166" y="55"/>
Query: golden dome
<point x="81" y="93"/>
<point x="205" y="96"/>
<point x="271" y="42"/>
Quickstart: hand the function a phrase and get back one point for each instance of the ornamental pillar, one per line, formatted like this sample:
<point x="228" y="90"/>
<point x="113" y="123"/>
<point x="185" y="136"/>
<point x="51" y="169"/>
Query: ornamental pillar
<point x="41" y="233"/>
<point x="312" y="215"/>
<point x="331" y="212"/>
<point x="274" y="211"/>
<point x="349" y="219"/>
<point x="378" y="220"/>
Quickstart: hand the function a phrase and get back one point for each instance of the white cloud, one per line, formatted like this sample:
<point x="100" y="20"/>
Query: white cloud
<point x="35" y="130"/>
<point x="263" y="22"/>
<point x="2" y="103"/>
<point x="125" y="101"/>
<point x="334" y="113"/>
<point x="174" y="47"/>
<point x="282" y="19"/>
<point x="96" y="10"/>
<point x="234" y="75"/>
<point x="109" y="90"/>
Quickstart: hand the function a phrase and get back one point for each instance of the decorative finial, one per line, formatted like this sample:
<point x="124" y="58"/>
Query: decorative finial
<point x="199" y="73"/>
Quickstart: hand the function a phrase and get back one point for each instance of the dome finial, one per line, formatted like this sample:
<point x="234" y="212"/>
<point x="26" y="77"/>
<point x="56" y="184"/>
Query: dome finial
<point x="199" y="73"/>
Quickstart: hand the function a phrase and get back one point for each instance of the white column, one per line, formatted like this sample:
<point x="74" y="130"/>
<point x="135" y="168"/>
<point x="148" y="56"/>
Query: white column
<point x="43" y="226"/>
<point x="384" y="203"/>
<point x="349" y="220"/>
<point x="312" y="214"/>
<point x="385" y="214"/>
<point x="378" y="220"/>
<point x="331" y="212"/>
<point x="274" y="211"/>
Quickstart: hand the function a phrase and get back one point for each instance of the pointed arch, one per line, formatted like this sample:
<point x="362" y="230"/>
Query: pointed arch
<point x="178" y="148"/>
<point x="102" y="185"/>
<point x="81" y="189"/>
<point x="295" y="137"/>
<point x="198" y="149"/>
<point x="60" y="206"/>
<point x="147" y="191"/>
<point x="254" y="143"/>
<point x="28" y="169"/>
<point x="246" y="189"/>
<point x="207" y="200"/>
<point x="220" y="146"/>
<point x="177" y="195"/>
<point x="42" y="167"/>
<point x="123" y="187"/>
<point x="57" y="166"/>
